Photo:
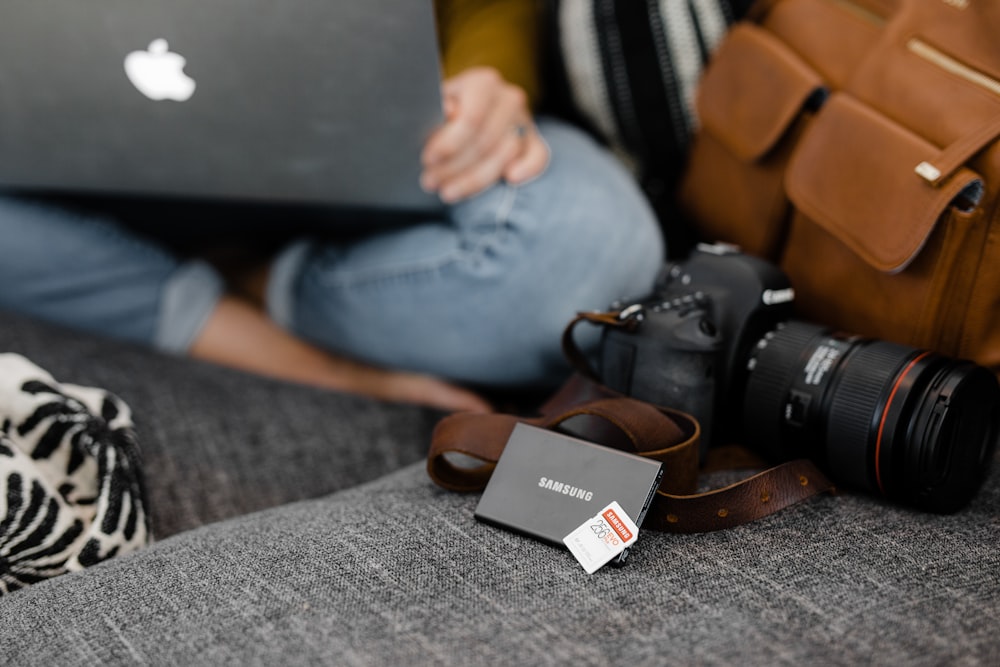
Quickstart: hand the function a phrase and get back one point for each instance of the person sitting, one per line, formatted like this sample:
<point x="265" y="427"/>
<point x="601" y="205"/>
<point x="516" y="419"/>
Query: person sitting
<point x="540" y="222"/>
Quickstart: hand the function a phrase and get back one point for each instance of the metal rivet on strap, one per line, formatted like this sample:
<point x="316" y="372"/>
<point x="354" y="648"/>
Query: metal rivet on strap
<point x="672" y="518"/>
<point x="723" y="513"/>
<point x="765" y="497"/>
<point x="803" y="480"/>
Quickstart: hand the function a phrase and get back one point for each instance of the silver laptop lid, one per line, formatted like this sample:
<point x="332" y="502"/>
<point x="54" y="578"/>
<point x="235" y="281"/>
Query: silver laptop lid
<point x="304" y="101"/>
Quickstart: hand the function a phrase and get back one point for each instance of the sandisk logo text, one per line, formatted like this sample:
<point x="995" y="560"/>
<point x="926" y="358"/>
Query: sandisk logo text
<point x="565" y="489"/>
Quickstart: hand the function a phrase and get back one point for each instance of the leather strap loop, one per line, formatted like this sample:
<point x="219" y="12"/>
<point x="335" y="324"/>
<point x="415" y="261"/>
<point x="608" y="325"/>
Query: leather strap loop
<point x="748" y="500"/>
<point x="647" y="431"/>
<point x="627" y="319"/>
<point x="641" y="428"/>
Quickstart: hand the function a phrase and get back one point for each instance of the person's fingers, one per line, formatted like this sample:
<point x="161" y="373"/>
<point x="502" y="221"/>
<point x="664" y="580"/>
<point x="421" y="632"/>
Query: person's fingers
<point x="464" y="150"/>
<point x="483" y="135"/>
<point x="496" y="136"/>
<point x="469" y="99"/>
<point x="531" y="161"/>
<point x="485" y="172"/>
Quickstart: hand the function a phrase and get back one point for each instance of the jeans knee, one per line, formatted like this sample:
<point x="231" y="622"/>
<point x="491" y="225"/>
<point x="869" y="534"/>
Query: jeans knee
<point x="485" y="296"/>
<point x="602" y="232"/>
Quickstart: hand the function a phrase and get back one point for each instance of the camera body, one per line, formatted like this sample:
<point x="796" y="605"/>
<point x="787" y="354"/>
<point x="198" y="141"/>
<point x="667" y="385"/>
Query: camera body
<point x="689" y="347"/>
<point x="716" y="339"/>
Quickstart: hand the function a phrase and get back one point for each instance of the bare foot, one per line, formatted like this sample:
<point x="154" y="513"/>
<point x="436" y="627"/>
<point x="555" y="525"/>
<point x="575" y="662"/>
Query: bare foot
<point x="241" y="336"/>
<point x="406" y="387"/>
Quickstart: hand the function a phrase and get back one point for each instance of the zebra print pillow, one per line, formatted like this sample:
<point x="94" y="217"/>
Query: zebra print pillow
<point x="71" y="487"/>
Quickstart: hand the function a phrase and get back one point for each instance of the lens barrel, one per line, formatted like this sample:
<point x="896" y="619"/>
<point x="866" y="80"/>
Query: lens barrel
<point x="912" y="425"/>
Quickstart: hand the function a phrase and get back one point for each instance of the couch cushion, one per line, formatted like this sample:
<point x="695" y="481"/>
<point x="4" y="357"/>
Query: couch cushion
<point x="398" y="572"/>
<point x="217" y="442"/>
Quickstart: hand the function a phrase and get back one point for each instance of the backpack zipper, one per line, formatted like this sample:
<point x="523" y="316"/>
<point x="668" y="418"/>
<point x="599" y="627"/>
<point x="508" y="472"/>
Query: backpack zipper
<point x="924" y="50"/>
<point x="863" y="13"/>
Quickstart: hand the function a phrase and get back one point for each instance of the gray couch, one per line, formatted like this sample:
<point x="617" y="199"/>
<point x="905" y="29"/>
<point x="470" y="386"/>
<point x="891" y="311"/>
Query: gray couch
<point x="297" y="526"/>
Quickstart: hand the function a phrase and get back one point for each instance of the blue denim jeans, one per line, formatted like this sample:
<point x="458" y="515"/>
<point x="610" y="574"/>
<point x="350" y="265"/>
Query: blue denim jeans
<point x="481" y="296"/>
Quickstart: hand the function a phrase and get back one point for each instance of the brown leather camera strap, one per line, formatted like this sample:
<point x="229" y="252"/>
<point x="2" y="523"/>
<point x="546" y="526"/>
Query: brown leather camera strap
<point x="627" y="318"/>
<point x="586" y="409"/>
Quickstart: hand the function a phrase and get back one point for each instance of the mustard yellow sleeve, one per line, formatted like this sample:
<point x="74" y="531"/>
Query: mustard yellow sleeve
<point x="499" y="33"/>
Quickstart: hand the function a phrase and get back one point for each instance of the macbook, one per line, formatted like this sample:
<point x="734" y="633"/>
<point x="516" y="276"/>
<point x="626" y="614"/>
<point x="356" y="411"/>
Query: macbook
<point x="315" y="102"/>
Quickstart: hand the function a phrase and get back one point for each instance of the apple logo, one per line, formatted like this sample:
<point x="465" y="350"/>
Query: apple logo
<point x="158" y="73"/>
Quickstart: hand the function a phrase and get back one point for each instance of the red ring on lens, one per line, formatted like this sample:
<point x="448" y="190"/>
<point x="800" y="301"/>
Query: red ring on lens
<point x="885" y="414"/>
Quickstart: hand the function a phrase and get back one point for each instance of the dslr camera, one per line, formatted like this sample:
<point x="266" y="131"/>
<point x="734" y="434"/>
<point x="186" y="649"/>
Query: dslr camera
<point x="717" y="338"/>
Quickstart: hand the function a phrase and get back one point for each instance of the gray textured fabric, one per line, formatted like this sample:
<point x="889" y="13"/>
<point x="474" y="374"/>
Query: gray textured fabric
<point x="397" y="572"/>
<point x="218" y="443"/>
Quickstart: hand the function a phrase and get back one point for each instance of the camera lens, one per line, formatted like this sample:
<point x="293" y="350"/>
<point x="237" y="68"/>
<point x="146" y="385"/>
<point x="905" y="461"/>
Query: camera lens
<point x="912" y="425"/>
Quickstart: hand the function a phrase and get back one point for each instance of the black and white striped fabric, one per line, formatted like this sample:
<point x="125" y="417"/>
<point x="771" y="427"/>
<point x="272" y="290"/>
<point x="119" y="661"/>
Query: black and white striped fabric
<point x="71" y="487"/>
<point x="629" y="70"/>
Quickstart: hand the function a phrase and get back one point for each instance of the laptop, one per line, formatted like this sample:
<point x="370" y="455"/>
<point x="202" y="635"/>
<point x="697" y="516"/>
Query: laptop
<point x="313" y="102"/>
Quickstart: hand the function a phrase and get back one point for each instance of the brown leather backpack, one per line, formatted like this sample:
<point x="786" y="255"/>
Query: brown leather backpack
<point x="855" y="142"/>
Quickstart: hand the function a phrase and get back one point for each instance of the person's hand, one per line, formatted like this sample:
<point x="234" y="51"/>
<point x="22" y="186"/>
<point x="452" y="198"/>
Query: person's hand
<point x="488" y="135"/>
